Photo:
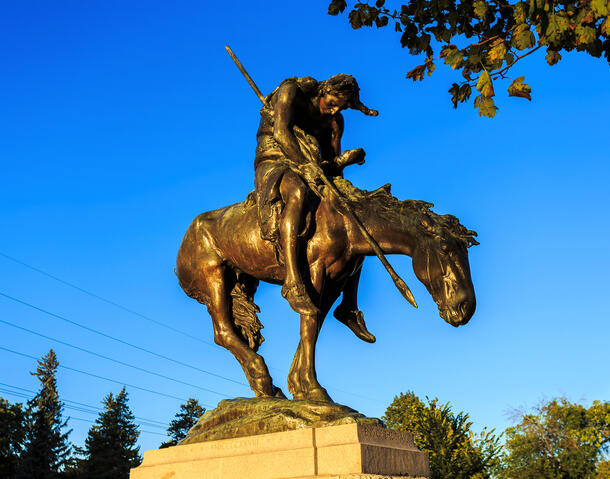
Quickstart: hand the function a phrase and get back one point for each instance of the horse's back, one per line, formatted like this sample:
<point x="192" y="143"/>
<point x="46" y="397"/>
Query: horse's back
<point x="228" y="236"/>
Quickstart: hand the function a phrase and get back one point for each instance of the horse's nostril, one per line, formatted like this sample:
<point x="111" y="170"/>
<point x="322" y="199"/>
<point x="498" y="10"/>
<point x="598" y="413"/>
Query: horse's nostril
<point x="464" y="307"/>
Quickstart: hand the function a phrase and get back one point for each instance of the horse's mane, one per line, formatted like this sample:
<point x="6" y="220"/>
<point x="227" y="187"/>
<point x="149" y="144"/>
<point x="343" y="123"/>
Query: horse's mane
<point x="390" y="208"/>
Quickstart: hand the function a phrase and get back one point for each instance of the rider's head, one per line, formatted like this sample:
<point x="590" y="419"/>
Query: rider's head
<point x="340" y="92"/>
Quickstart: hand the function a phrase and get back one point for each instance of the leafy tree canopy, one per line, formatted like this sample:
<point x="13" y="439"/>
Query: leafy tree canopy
<point x="559" y="440"/>
<point x="46" y="447"/>
<point x="12" y="434"/>
<point x="492" y="37"/>
<point x="110" y="448"/>
<point x="186" y="418"/>
<point x="456" y="452"/>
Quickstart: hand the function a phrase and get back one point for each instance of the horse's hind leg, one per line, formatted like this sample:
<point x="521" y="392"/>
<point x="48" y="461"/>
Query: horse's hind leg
<point x="217" y="300"/>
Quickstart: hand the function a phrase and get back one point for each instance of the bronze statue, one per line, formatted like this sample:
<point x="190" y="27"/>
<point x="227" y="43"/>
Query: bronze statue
<point x="308" y="229"/>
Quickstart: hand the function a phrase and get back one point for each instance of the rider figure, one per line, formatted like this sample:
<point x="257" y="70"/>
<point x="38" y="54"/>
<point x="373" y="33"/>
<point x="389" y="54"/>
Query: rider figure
<point x="281" y="191"/>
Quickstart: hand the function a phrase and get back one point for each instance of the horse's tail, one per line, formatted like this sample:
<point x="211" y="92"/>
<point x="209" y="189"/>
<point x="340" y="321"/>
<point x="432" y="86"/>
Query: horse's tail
<point x="244" y="310"/>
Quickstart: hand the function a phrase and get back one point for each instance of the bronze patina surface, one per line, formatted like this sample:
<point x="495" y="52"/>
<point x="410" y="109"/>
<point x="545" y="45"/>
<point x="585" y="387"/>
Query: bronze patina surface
<point x="241" y="417"/>
<point x="308" y="229"/>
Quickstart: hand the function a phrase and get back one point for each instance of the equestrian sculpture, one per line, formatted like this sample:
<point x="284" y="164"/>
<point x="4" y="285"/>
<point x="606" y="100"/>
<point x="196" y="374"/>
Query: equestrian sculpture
<point x="308" y="229"/>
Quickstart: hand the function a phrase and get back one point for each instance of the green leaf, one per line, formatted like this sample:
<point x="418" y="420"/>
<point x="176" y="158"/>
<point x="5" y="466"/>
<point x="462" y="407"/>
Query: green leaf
<point x="605" y="28"/>
<point x="454" y="90"/>
<point x="520" y="14"/>
<point x="485" y="85"/>
<point x="600" y="8"/>
<point x="379" y="3"/>
<point x="558" y="26"/>
<point x="336" y="7"/>
<point x="480" y="9"/>
<point x="355" y="19"/>
<point x="381" y="21"/>
<point x="486" y="106"/>
<point x="552" y="57"/>
<point x="497" y="51"/>
<point x="520" y="89"/>
<point x="452" y="56"/>
<point x="523" y="38"/>
<point x="584" y="35"/>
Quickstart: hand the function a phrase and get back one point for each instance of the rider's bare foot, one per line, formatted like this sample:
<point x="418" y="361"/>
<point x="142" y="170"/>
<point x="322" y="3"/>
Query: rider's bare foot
<point x="298" y="299"/>
<point x="354" y="320"/>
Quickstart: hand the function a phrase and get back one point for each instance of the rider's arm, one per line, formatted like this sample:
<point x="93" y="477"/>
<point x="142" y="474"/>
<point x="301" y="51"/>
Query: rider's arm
<point x="282" y="126"/>
<point x="349" y="157"/>
<point x="337" y="133"/>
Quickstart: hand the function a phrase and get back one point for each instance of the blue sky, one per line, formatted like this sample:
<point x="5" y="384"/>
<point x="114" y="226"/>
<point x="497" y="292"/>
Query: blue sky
<point x="121" y="122"/>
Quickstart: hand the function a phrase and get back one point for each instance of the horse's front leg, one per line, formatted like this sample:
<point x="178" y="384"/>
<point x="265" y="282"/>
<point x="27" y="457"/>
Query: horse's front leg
<point x="302" y="379"/>
<point x="309" y="387"/>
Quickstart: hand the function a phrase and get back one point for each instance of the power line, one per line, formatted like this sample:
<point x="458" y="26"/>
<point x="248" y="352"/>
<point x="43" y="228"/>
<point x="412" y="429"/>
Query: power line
<point x="152" y="422"/>
<point x="96" y="296"/>
<point x="87" y="328"/>
<point x="112" y="359"/>
<point x="100" y="377"/>
<point x="93" y="422"/>
<point x="25" y="396"/>
<point x="69" y="418"/>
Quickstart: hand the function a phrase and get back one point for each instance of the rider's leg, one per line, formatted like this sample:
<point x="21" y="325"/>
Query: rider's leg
<point x="349" y="314"/>
<point x="293" y="192"/>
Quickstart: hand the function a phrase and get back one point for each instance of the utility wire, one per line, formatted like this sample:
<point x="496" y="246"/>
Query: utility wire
<point x="112" y="359"/>
<point x="69" y="418"/>
<point x="93" y="422"/>
<point x="87" y="328"/>
<point x="26" y="396"/>
<point x="96" y="296"/>
<point x="99" y="377"/>
<point x="152" y="422"/>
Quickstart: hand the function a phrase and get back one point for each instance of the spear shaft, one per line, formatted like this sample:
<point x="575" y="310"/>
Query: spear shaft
<point x="398" y="281"/>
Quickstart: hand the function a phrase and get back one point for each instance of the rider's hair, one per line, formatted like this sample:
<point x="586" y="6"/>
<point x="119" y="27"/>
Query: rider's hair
<point x="345" y="86"/>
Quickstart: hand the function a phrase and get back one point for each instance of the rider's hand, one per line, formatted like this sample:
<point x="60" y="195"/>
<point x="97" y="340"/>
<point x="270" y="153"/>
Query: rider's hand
<point x="350" y="157"/>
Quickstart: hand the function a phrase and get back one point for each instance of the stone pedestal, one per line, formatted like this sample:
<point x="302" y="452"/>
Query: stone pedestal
<point x="351" y="451"/>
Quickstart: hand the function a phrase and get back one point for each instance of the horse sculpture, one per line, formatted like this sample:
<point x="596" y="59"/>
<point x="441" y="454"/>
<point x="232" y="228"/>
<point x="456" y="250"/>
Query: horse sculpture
<point x="222" y="258"/>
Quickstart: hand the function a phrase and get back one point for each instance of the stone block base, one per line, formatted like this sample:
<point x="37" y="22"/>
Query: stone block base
<point x="351" y="451"/>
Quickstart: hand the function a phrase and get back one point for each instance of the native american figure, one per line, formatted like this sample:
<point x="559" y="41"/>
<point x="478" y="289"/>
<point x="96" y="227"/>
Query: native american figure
<point x="283" y="186"/>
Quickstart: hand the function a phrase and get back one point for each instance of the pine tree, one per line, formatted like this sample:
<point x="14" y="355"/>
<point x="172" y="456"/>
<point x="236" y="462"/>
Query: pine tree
<point x="186" y="418"/>
<point x="12" y="432"/>
<point x="110" y="448"/>
<point x="46" y="447"/>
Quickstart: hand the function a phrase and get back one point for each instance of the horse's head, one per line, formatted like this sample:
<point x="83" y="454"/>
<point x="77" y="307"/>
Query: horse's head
<point x="440" y="261"/>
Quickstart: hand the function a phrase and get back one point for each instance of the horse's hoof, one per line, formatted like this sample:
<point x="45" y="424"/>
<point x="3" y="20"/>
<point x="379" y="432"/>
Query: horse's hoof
<point x="300" y="396"/>
<point x="318" y="394"/>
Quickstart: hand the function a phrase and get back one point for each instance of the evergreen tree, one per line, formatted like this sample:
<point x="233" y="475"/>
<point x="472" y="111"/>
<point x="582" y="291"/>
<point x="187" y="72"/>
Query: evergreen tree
<point x="110" y="448"/>
<point x="46" y="447"/>
<point x="12" y="432"/>
<point x="186" y="418"/>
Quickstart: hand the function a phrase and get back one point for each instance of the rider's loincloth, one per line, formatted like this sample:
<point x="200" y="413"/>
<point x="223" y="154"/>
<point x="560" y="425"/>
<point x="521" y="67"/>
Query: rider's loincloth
<point x="271" y="165"/>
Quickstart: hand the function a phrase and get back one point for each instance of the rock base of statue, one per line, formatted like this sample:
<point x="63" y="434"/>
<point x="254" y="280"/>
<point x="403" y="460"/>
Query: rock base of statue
<point x="280" y="439"/>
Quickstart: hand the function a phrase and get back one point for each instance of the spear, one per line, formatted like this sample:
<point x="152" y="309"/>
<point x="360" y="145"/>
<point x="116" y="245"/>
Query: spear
<point x="400" y="284"/>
